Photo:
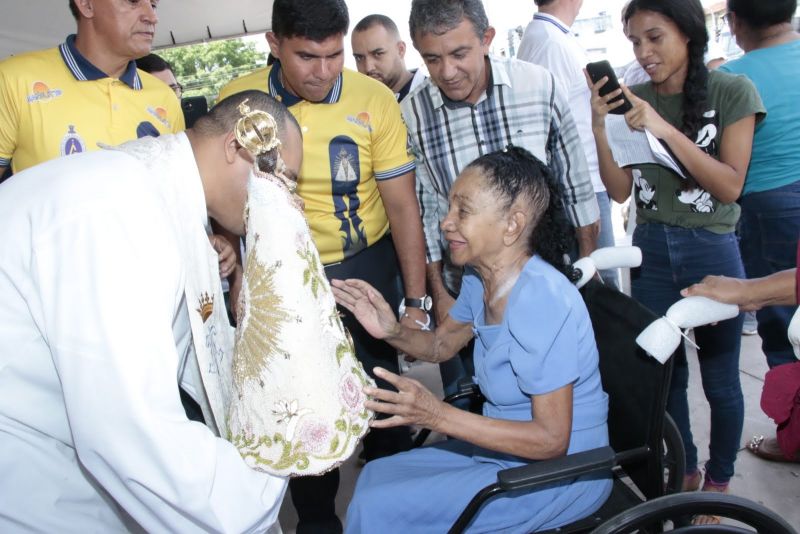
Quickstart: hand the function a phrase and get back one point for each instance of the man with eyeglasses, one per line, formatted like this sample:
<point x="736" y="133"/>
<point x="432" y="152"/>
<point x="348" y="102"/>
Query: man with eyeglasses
<point x="161" y="69"/>
<point x="66" y="100"/>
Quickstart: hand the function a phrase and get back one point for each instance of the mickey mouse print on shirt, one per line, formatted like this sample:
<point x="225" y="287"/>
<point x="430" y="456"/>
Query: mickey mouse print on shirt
<point x="696" y="200"/>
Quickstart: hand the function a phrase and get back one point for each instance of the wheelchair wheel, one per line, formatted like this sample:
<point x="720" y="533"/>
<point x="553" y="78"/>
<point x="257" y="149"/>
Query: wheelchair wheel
<point x="651" y="516"/>
<point x="674" y="457"/>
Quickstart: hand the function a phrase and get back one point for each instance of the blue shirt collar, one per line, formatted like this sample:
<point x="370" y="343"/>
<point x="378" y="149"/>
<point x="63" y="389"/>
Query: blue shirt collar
<point x="83" y="70"/>
<point x="277" y="89"/>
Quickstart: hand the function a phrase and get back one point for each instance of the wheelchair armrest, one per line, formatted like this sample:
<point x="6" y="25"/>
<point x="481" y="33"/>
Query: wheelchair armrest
<point x="565" y="467"/>
<point x="466" y="389"/>
<point x="467" y="385"/>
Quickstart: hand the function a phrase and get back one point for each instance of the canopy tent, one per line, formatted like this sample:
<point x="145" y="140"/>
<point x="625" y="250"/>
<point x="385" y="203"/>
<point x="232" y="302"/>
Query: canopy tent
<point x="34" y="24"/>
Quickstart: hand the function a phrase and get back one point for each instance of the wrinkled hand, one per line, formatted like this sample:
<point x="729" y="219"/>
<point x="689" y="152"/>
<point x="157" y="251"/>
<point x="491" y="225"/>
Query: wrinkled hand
<point x="644" y="116"/>
<point x="411" y="404"/>
<point x="722" y="289"/>
<point x="227" y="256"/>
<point x="367" y="305"/>
<point x="602" y="105"/>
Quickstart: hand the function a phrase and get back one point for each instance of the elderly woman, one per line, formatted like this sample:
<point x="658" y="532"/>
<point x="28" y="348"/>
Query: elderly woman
<point x="770" y="222"/>
<point x="535" y="361"/>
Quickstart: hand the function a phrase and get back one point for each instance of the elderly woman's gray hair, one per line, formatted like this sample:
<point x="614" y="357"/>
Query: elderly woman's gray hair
<point x="440" y="16"/>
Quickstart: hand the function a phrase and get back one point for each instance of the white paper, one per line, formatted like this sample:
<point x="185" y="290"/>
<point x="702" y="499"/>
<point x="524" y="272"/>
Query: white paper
<point x="634" y="147"/>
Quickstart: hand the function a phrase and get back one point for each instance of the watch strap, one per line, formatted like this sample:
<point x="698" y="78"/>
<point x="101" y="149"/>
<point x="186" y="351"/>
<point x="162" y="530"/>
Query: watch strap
<point x="424" y="303"/>
<point x="415" y="303"/>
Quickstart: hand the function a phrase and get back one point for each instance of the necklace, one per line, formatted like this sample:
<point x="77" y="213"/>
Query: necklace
<point x="777" y="36"/>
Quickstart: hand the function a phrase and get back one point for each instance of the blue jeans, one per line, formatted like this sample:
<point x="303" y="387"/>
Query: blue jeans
<point x="674" y="258"/>
<point x="606" y="237"/>
<point x="769" y="228"/>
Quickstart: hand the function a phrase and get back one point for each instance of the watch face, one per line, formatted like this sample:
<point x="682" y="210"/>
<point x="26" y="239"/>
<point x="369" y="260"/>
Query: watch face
<point x="427" y="303"/>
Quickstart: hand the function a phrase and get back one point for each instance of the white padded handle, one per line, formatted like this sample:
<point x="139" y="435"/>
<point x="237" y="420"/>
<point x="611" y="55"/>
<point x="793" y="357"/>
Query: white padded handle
<point x="607" y="258"/>
<point x="663" y="336"/>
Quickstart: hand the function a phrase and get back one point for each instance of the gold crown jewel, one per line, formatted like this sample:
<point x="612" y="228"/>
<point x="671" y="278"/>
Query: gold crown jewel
<point x="256" y="131"/>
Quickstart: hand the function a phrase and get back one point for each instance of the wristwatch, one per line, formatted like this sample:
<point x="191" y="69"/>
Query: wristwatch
<point x="424" y="303"/>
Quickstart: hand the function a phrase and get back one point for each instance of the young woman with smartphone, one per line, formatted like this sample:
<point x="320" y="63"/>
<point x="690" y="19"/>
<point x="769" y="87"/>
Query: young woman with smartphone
<point x="686" y="225"/>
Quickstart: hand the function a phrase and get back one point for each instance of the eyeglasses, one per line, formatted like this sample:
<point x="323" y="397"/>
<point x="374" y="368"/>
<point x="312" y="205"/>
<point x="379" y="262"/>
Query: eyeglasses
<point x="178" y="88"/>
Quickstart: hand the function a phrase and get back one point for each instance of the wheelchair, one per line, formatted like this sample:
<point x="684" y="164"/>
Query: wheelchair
<point x="645" y="454"/>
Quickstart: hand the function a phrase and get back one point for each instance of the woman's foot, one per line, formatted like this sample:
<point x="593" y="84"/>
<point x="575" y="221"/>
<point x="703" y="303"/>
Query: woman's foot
<point x="768" y="449"/>
<point x="691" y="481"/>
<point x="710" y="485"/>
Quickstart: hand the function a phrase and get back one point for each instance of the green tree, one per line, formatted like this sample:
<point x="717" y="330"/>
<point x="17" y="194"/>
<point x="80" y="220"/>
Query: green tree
<point x="204" y="68"/>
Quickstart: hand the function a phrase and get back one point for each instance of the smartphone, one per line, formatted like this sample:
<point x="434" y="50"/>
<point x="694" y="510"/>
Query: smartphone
<point x="596" y="71"/>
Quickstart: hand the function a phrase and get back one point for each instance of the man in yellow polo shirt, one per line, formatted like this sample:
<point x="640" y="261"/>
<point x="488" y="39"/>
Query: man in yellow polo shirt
<point x="65" y="100"/>
<point x="357" y="181"/>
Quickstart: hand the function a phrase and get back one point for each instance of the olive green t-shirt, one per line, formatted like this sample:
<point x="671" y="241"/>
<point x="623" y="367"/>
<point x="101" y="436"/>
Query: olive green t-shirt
<point x="657" y="190"/>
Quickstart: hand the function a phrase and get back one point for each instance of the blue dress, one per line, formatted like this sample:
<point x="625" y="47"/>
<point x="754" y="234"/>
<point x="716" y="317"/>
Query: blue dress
<point x="544" y="342"/>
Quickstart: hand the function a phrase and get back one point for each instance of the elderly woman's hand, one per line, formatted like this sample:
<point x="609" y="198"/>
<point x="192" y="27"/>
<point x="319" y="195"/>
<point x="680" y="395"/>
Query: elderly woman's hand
<point x="368" y="307"/>
<point x="411" y="404"/>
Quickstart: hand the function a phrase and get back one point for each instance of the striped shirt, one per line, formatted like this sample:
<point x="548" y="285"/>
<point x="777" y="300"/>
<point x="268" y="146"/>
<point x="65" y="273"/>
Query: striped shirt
<point x="521" y="106"/>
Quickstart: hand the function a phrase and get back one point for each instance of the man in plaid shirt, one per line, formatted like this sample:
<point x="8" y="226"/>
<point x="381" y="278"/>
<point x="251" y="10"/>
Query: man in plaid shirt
<point x="473" y="104"/>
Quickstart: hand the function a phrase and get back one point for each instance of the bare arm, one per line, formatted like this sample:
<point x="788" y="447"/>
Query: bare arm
<point x="587" y="238"/>
<point x="546" y="436"/>
<point x="778" y="289"/>
<point x="402" y="209"/>
<point x="442" y="301"/>
<point x="377" y="318"/>
<point x="723" y="178"/>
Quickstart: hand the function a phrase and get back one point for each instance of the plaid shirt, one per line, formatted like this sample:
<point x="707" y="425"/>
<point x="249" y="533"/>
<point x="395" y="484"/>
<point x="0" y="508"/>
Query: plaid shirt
<point x="522" y="107"/>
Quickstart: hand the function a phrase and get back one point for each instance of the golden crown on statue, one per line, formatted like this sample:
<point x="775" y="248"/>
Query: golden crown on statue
<point x="257" y="130"/>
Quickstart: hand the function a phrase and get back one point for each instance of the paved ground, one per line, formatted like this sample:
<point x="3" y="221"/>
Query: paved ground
<point x="775" y="485"/>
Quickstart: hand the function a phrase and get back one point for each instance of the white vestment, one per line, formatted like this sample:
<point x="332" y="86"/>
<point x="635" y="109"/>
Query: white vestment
<point x="105" y="269"/>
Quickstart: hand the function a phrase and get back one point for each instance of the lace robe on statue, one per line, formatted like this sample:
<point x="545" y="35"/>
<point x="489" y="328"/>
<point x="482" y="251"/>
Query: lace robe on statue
<point x="297" y="406"/>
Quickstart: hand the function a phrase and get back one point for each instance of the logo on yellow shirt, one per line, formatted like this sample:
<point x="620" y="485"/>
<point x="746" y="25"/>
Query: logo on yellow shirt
<point x="160" y="114"/>
<point x="71" y="143"/>
<point x="362" y="119"/>
<point x="42" y="93"/>
<point x="346" y="175"/>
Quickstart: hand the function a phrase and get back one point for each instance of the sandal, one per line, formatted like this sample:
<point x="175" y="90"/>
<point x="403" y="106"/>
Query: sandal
<point x="710" y="485"/>
<point x="692" y="481"/>
<point x="768" y="449"/>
